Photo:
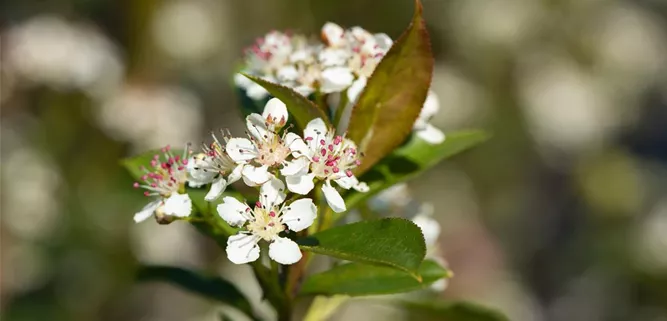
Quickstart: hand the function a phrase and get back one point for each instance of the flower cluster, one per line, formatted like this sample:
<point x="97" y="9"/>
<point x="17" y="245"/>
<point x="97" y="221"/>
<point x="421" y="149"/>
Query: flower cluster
<point x="339" y="64"/>
<point x="270" y="152"/>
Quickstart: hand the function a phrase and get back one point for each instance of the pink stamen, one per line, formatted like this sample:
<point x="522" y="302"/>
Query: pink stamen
<point x="331" y="147"/>
<point x="258" y="204"/>
<point x="336" y="170"/>
<point x="348" y="173"/>
<point x="272" y="214"/>
<point x="309" y="138"/>
<point x="322" y="142"/>
<point x="323" y="151"/>
<point x="135" y="185"/>
<point x="316" y="159"/>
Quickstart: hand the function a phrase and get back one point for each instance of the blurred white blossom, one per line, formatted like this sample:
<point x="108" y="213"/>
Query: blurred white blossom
<point x="151" y="116"/>
<point x="66" y="55"/>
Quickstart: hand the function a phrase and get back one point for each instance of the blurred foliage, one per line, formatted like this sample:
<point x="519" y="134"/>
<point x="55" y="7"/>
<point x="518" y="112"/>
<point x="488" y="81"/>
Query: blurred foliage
<point x="562" y="216"/>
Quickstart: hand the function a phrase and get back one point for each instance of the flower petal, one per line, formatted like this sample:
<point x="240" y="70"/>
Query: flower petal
<point x="216" y="190"/>
<point x="147" y="211"/>
<point x="315" y="129"/>
<point x="242" y="248"/>
<point x="233" y="211"/>
<point x="383" y="41"/>
<point x="301" y="183"/>
<point x="304" y="90"/>
<point x="255" y="176"/>
<point x="198" y="174"/>
<point x="439" y="285"/>
<point x="333" y="34"/>
<point x="236" y="174"/>
<point x="336" y="79"/>
<point x="299" y="215"/>
<point x="355" y="89"/>
<point x="256" y="124"/>
<point x="178" y="205"/>
<point x="276" y="110"/>
<point x="347" y="182"/>
<point x="287" y="73"/>
<point x="272" y="193"/>
<point x="352" y="95"/>
<point x="242" y="81"/>
<point x="331" y="57"/>
<point x="429" y="226"/>
<point x="241" y="149"/>
<point x="295" y="167"/>
<point x="431" y="134"/>
<point x="333" y="198"/>
<point x="256" y="92"/>
<point x="431" y="106"/>
<point x="284" y="251"/>
<point x="297" y="146"/>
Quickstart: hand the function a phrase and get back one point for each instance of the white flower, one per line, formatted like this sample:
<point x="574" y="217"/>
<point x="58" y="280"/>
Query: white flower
<point x="323" y="155"/>
<point x="431" y="231"/>
<point x="336" y="79"/>
<point x="289" y="60"/>
<point x="212" y="166"/>
<point x="265" y="221"/>
<point x="422" y="128"/>
<point x="165" y="181"/>
<point x="264" y="148"/>
<point x="356" y="49"/>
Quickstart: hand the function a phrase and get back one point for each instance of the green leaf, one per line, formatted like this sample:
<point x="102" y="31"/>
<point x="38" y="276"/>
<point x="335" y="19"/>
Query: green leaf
<point x="451" y="311"/>
<point x="301" y="109"/>
<point x="393" y="98"/>
<point x="410" y="160"/>
<point x="211" y="287"/>
<point x="356" y="279"/>
<point x="394" y="242"/>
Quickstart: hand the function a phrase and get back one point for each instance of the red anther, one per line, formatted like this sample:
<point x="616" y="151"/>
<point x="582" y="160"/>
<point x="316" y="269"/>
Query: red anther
<point x="258" y="204"/>
<point x="156" y="157"/>
<point x="331" y="147"/>
<point x="177" y="158"/>
<point x="170" y="160"/>
<point x="153" y="185"/>
<point x="143" y="178"/>
<point x="338" y="139"/>
<point x="309" y="138"/>
<point x="146" y="193"/>
<point x="180" y="168"/>
<point x="135" y="185"/>
<point x="323" y="151"/>
<point x="164" y="165"/>
<point x="357" y="162"/>
<point x="316" y="159"/>
<point x="185" y="162"/>
<point x="326" y="171"/>
<point x="272" y="214"/>
<point x="336" y="170"/>
<point x="348" y="173"/>
<point x="168" y="147"/>
<point x="271" y="224"/>
<point x="247" y="209"/>
<point x="153" y="163"/>
<point x="322" y="142"/>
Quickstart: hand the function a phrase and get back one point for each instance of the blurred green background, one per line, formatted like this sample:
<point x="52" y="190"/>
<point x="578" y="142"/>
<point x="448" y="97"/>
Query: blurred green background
<point x="561" y="216"/>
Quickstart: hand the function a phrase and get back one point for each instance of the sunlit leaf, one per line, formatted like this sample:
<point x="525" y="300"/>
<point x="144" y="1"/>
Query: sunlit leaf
<point x="357" y="279"/>
<point x="392" y="100"/>
<point x="394" y="242"/>
<point x="411" y="160"/>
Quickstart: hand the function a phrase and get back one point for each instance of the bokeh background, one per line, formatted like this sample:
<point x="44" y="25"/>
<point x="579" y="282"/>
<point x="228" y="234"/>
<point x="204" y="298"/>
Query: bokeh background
<point x="561" y="216"/>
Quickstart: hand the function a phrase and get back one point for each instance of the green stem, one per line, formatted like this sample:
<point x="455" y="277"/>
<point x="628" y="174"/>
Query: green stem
<point x="272" y="291"/>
